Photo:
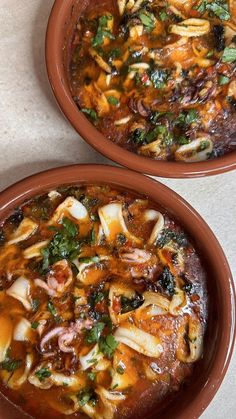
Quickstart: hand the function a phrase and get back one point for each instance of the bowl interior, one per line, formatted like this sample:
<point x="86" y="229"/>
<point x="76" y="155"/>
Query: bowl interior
<point x="58" y="45"/>
<point x="209" y="372"/>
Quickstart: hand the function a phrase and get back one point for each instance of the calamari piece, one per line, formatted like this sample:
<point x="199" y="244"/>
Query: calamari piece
<point x="74" y="382"/>
<point x="191" y="27"/>
<point x="154" y="304"/>
<point x="34" y="251"/>
<point x="110" y="400"/>
<point x="92" y="357"/>
<point x="53" y="195"/>
<point x="135" y="256"/>
<point x="121" y="6"/>
<point x="178" y="302"/>
<point x="116" y="291"/>
<point x="23" y="331"/>
<point x="113" y="222"/>
<point x="190" y="349"/>
<point x="24" y="231"/>
<point x="122" y="361"/>
<point x="156" y="215"/>
<point x="152" y="149"/>
<point x="71" y="207"/>
<point x="196" y="151"/>
<point x="20" y="290"/>
<point x="19" y="377"/>
<point x="5" y="336"/>
<point x="139" y="340"/>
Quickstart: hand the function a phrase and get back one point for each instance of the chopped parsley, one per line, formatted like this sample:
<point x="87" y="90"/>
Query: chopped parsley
<point x="168" y="235"/>
<point x="158" y="77"/>
<point x="229" y="55"/>
<point x="35" y="304"/>
<point x="187" y="118"/>
<point x="108" y="345"/>
<point x="42" y="374"/>
<point x="52" y="309"/>
<point x="223" y="80"/>
<point x="138" y="136"/>
<point x="92" y="376"/>
<point x="94" y="334"/>
<point x="167" y="281"/>
<point x="148" y="20"/>
<point x="163" y="15"/>
<point x="64" y="245"/>
<point x="219" y="8"/>
<point x="10" y="364"/>
<point x="102" y="31"/>
<point x="113" y="100"/>
<point x="91" y="113"/>
<point x="34" y="325"/>
<point x="128" y="304"/>
<point x="87" y="395"/>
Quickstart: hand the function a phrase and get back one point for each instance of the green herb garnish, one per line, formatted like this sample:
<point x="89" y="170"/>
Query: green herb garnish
<point x="148" y="20"/>
<point x="219" y="8"/>
<point x="102" y="31"/>
<point x="223" y="80"/>
<point x="34" y="325"/>
<point x="42" y="374"/>
<point x="113" y="100"/>
<point x="108" y="345"/>
<point x="167" y="281"/>
<point x="91" y="113"/>
<point x="229" y="55"/>
<point x="94" y="334"/>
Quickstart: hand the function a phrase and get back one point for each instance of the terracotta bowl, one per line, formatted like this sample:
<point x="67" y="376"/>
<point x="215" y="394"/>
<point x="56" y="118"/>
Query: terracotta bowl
<point x="191" y="401"/>
<point x="59" y="33"/>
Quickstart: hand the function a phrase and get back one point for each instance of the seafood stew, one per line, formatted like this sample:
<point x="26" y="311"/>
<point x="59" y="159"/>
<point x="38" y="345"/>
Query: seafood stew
<point x="103" y="304"/>
<point x="158" y="78"/>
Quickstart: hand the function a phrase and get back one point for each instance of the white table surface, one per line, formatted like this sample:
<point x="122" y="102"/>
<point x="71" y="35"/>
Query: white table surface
<point x="35" y="136"/>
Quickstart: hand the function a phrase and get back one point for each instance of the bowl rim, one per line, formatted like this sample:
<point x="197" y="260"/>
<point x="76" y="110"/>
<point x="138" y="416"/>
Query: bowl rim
<point x="185" y="214"/>
<point x="88" y="132"/>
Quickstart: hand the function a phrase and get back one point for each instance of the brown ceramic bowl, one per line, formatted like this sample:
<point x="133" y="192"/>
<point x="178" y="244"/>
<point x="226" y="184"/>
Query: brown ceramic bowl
<point x="59" y="33"/>
<point x="209" y="372"/>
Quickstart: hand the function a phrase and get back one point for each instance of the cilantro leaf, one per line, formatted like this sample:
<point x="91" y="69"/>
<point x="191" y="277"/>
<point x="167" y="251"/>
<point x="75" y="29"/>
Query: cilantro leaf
<point x="148" y="20"/>
<point x="10" y="364"/>
<point x="102" y="31"/>
<point x="42" y="374"/>
<point x="87" y="395"/>
<point x="90" y="112"/>
<point x="95" y="333"/>
<point x="113" y="100"/>
<point x="229" y="55"/>
<point x="108" y="345"/>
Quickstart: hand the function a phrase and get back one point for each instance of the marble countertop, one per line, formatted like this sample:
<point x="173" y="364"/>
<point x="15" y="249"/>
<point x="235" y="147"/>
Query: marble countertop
<point x="35" y="136"/>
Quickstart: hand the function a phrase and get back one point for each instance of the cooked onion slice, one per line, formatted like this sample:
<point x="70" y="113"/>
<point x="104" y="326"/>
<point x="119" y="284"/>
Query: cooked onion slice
<point x="20" y="289"/>
<point x="191" y="27"/>
<point x="113" y="222"/>
<point x="34" y="251"/>
<point x="26" y="229"/>
<point x="23" y="331"/>
<point x="156" y="215"/>
<point x="72" y="207"/>
<point x="139" y="340"/>
<point x="5" y="336"/>
<point x="91" y="358"/>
